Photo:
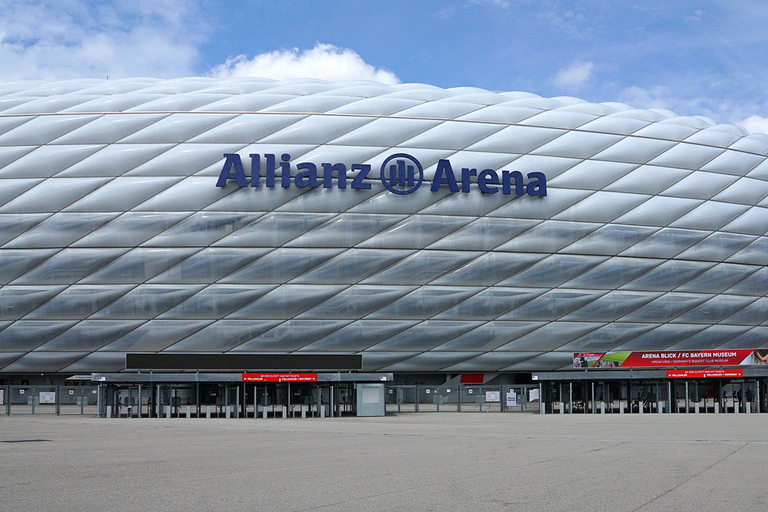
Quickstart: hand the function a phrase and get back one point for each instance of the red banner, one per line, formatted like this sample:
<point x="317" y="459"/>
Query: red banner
<point x="279" y="377"/>
<point x="704" y="374"/>
<point x="734" y="357"/>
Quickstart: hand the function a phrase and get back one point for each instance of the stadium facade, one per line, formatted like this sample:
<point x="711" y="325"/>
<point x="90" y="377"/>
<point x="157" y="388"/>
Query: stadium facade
<point x="432" y="231"/>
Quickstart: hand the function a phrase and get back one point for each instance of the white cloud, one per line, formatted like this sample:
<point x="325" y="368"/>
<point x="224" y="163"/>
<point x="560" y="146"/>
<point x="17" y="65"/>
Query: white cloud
<point x="54" y="40"/>
<point x="755" y="124"/>
<point x="504" y="4"/>
<point x="573" y="77"/>
<point x="324" y="61"/>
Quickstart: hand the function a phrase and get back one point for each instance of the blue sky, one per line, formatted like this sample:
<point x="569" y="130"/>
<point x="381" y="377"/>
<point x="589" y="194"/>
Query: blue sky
<point x="694" y="58"/>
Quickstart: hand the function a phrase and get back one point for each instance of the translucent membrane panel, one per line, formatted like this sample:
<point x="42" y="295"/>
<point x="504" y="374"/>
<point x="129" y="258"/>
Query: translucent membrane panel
<point x="552" y="305"/>
<point x="665" y="243"/>
<point x="69" y="266"/>
<point x="52" y="195"/>
<point x="452" y="135"/>
<point x="492" y="360"/>
<point x="384" y="202"/>
<point x="648" y="179"/>
<point x="717" y="247"/>
<point x="711" y="215"/>
<point x="274" y="229"/>
<point x="549" y="236"/>
<point x="360" y="335"/>
<point x="209" y="265"/>
<point x="308" y="103"/>
<point x="484" y="234"/>
<point x="526" y="207"/>
<point x="374" y="361"/>
<point x="500" y="113"/>
<point x="490" y="303"/>
<point x="609" y="240"/>
<point x="201" y="229"/>
<point x="205" y="160"/>
<point x="26" y="335"/>
<point x="281" y="265"/>
<point x="575" y="144"/>
<point x="559" y="118"/>
<point x="686" y="156"/>
<point x="17" y="301"/>
<point x="429" y="362"/>
<point x="43" y="362"/>
<point x="753" y="314"/>
<point x="42" y="130"/>
<point x="13" y="225"/>
<point x="352" y="266"/>
<point x="13" y="188"/>
<point x="221" y="336"/>
<point x="291" y="335"/>
<point x="700" y="185"/>
<point x="635" y="150"/>
<point x="60" y="230"/>
<point x="216" y="301"/>
<point x="89" y="335"/>
<point x="13" y="263"/>
<point x="668" y="275"/>
<point x="715" y="309"/>
<point x="357" y="301"/>
<point x="666" y="307"/>
<point x="147" y="301"/>
<point x="110" y="128"/>
<point x="613" y="273"/>
<point x="516" y="139"/>
<point x="114" y="160"/>
<point x="422" y="267"/>
<point x="327" y="200"/>
<point x="489" y="269"/>
<point x="601" y="207"/>
<point x="489" y="336"/>
<point x="316" y="129"/>
<point x="155" y="335"/>
<point x="553" y="271"/>
<point x="247" y="129"/>
<point x="78" y="302"/>
<point x="139" y="265"/>
<point x="543" y="362"/>
<point x="130" y="229"/>
<point x="177" y="128"/>
<point x="416" y="232"/>
<point x="386" y="132"/>
<point x="753" y="222"/>
<point x="122" y="194"/>
<point x="550" y="336"/>
<point x="345" y="230"/>
<point x="611" y="306"/>
<point x="425" y="302"/>
<point x="375" y="106"/>
<point x="718" y="278"/>
<point x="47" y="161"/>
<point x="734" y="162"/>
<point x="659" y="211"/>
<point x="425" y="336"/>
<point x="607" y="337"/>
<point x="712" y="337"/>
<point x="593" y="175"/>
<point x="755" y="284"/>
<point x="287" y="301"/>
<point x="98" y="362"/>
<point x="754" y="338"/>
<point x="755" y="253"/>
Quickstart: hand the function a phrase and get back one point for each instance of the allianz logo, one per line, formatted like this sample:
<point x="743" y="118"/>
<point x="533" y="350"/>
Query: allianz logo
<point x="400" y="173"/>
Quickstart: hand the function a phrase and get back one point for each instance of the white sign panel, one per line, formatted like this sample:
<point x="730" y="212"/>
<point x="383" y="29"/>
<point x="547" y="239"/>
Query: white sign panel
<point x="47" y="397"/>
<point x="493" y="396"/>
<point x="511" y="399"/>
<point x="533" y="395"/>
<point x="2" y="397"/>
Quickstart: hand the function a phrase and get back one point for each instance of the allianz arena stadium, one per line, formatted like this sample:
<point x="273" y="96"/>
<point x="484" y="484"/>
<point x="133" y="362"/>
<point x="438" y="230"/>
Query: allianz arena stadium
<point x="432" y="231"/>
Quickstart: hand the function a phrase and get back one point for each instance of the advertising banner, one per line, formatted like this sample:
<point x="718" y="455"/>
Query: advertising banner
<point x="705" y="374"/>
<point x="279" y="377"/>
<point x="668" y="358"/>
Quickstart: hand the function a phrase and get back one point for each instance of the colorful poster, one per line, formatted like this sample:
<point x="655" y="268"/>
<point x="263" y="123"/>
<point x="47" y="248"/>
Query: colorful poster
<point x="279" y="377"/>
<point x="666" y="358"/>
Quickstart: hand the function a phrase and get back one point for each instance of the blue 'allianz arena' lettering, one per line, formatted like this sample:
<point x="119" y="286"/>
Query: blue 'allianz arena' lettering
<point x="397" y="175"/>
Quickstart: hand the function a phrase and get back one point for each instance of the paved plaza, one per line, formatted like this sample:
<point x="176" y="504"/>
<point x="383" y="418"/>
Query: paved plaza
<point x="437" y="462"/>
